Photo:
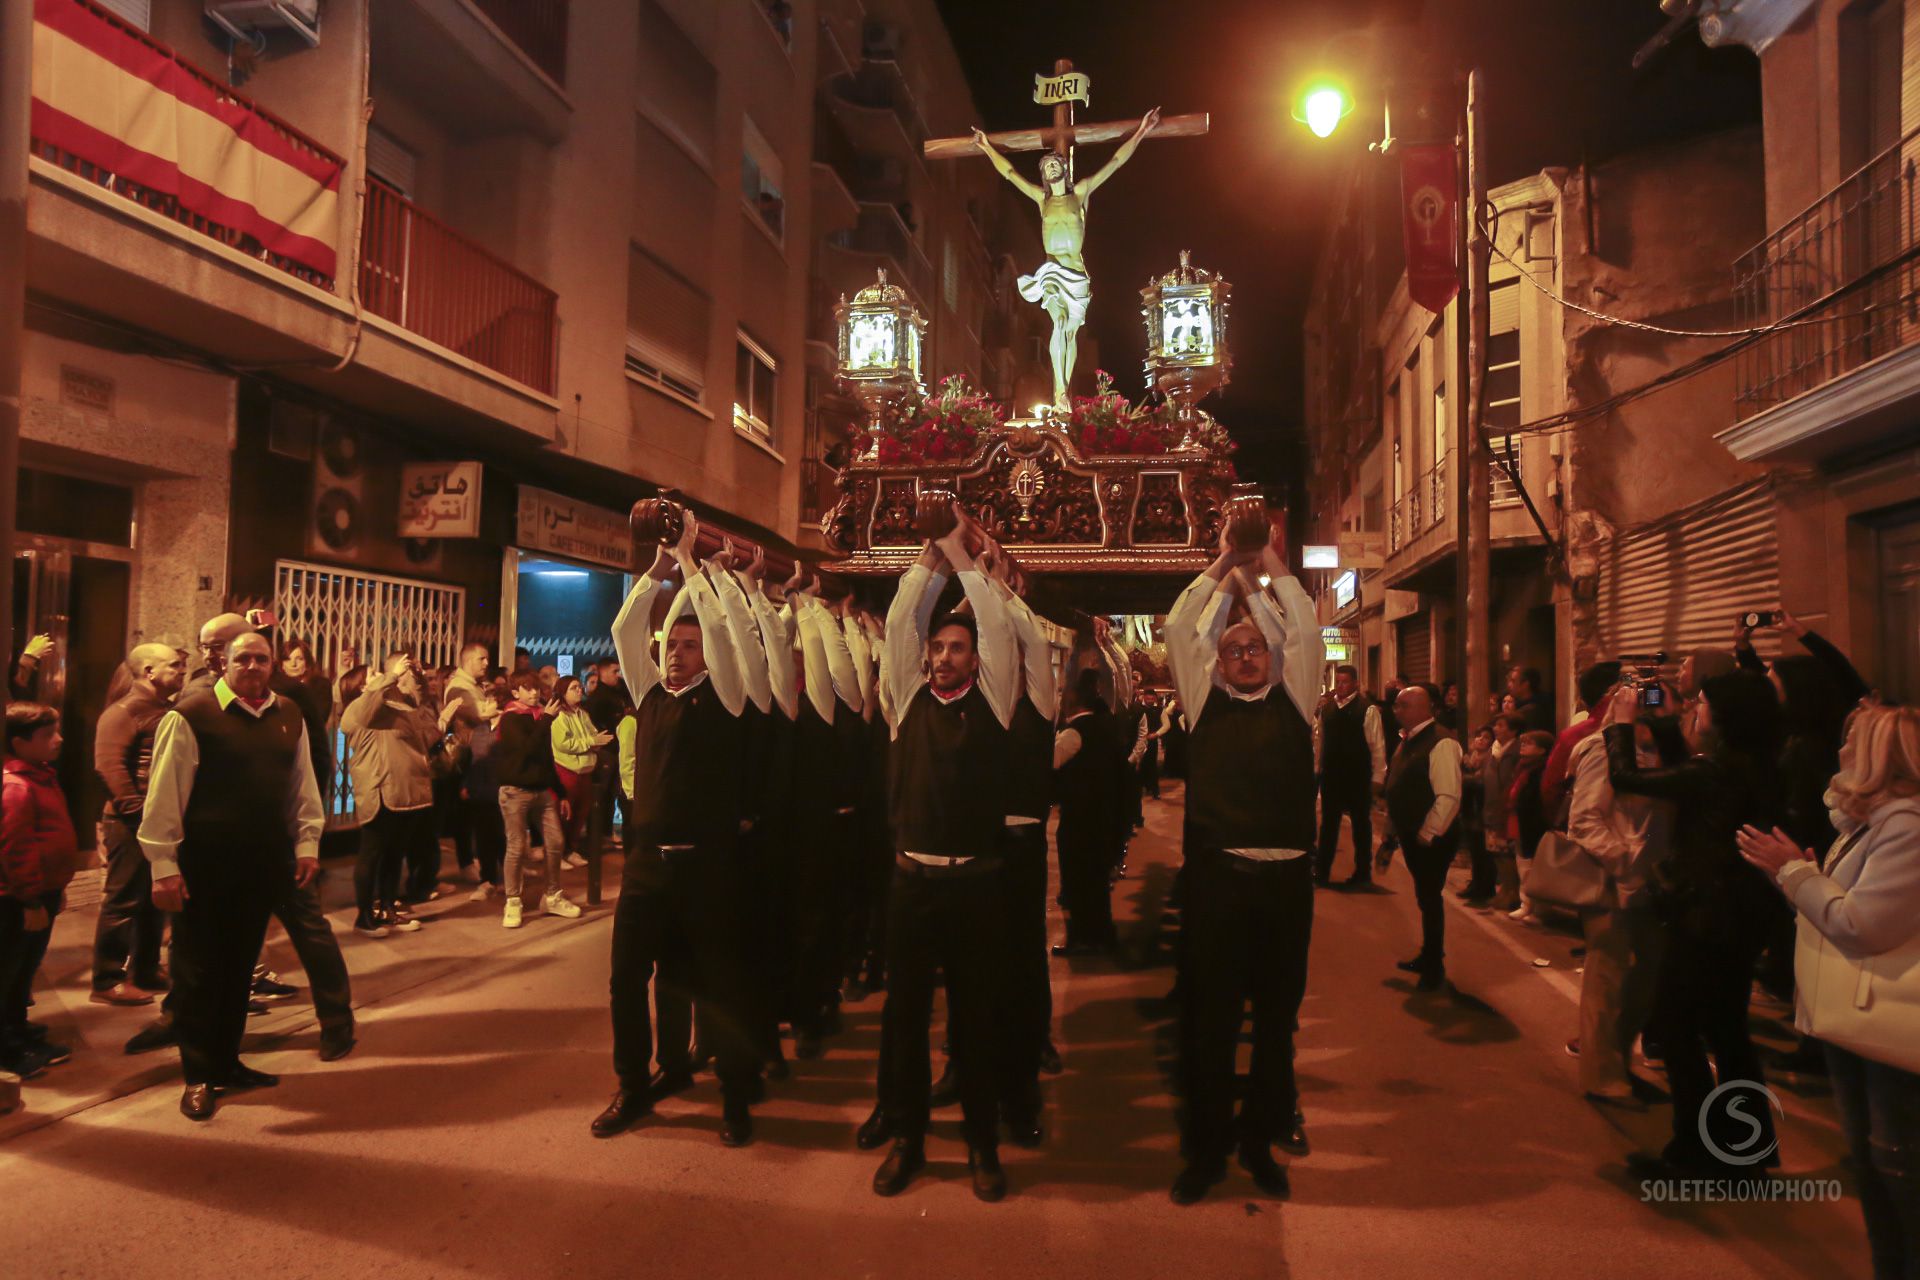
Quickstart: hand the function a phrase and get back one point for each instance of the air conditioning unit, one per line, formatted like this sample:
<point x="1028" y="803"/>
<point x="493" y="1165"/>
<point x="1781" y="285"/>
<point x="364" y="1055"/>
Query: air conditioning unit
<point x="246" y="19"/>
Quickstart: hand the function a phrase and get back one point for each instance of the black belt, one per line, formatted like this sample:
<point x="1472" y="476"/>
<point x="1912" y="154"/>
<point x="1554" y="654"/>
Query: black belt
<point x="980" y="866"/>
<point x="1256" y="866"/>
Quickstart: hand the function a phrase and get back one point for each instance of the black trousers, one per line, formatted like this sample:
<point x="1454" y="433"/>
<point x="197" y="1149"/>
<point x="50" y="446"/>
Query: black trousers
<point x="489" y="830"/>
<point x="393" y="841"/>
<point x="1428" y="864"/>
<point x="21" y="951"/>
<point x="1026" y="1019"/>
<point x="763" y="888"/>
<point x="216" y="939"/>
<point x="298" y="911"/>
<point x="1700" y="1007"/>
<point x="868" y="875"/>
<point x="952" y="922"/>
<point x="126" y="939"/>
<point x="677" y="926"/>
<point x="450" y="818"/>
<point x="824" y="855"/>
<point x="1150" y="770"/>
<point x="1244" y="937"/>
<point x="1087" y="855"/>
<point x="1344" y="800"/>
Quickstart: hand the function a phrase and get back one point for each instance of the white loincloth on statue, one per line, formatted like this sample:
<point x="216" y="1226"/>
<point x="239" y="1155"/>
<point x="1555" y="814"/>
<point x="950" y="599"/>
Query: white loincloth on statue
<point x="1055" y="281"/>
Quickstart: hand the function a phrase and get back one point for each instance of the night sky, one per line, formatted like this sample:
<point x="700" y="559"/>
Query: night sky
<point x="1248" y="199"/>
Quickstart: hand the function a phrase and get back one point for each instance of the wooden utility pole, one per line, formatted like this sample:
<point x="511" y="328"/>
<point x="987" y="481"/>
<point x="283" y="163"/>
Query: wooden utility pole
<point x="1473" y="490"/>
<point x="16" y="97"/>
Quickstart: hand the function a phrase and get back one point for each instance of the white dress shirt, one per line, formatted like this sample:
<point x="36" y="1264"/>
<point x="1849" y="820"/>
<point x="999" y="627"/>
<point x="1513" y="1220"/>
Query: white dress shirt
<point x="633" y="642"/>
<point x="1371" y="728"/>
<point x="176" y="763"/>
<point x="744" y="631"/>
<point x="908" y="620"/>
<point x="777" y="642"/>
<point x="1443" y="774"/>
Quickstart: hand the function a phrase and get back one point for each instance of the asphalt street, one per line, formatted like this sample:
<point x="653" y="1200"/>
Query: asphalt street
<point x="1449" y="1134"/>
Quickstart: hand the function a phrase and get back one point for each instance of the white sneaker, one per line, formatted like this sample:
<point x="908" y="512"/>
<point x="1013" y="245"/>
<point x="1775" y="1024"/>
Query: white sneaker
<point x="405" y="924"/>
<point x="574" y="862"/>
<point x="511" y="918"/>
<point x="1524" y="914"/>
<point x="556" y="904"/>
<point x="482" y="893"/>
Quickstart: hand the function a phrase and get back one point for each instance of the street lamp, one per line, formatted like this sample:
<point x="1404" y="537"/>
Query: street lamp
<point x="1322" y="105"/>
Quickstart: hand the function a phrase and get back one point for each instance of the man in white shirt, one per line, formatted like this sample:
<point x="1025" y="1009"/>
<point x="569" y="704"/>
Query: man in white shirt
<point x="954" y="689"/>
<point x="1423" y="803"/>
<point x="1350" y="755"/>
<point x="1248" y="683"/>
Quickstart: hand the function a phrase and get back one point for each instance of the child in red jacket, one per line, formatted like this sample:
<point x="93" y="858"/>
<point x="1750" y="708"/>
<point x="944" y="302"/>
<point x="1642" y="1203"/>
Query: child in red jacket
<point x="37" y="857"/>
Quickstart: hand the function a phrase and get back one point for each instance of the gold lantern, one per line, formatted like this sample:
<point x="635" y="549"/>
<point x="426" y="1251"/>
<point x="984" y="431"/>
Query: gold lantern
<point x="1187" y="354"/>
<point x="881" y="340"/>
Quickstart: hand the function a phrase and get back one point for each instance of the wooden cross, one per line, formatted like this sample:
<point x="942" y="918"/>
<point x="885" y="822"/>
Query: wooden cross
<point x="1061" y="137"/>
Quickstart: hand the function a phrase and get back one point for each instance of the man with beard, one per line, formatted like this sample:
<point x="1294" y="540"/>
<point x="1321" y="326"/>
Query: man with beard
<point x="953" y="702"/>
<point x="680" y="897"/>
<point x="232" y="829"/>
<point x="1247" y="672"/>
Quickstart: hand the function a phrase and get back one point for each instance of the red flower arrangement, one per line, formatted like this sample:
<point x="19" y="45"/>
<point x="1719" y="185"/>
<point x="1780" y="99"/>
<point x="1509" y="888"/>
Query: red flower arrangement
<point x="943" y="427"/>
<point x="1104" y="423"/>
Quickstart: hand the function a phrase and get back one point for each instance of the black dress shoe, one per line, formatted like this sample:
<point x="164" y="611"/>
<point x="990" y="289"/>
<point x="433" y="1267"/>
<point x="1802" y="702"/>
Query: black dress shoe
<point x="1322" y="882"/>
<point x="806" y="1045"/>
<point x="831" y="1024"/>
<point x="946" y="1090"/>
<point x="245" y="1077"/>
<point x="255" y="1008"/>
<point x="1196" y="1180"/>
<point x="158" y="1034"/>
<point x="668" y="1083"/>
<point x="1432" y="980"/>
<point x="627" y="1107"/>
<point x="336" y="1043"/>
<point x="736" y="1125"/>
<point x="777" y="1068"/>
<point x="198" y="1102"/>
<point x="1358" y="882"/>
<point x="1416" y="965"/>
<point x="989" y="1179"/>
<point x="1267" y="1173"/>
<point x="1294" y="1140"/>
<point x="1050" y="1059"/>
<point x="907" y="1158"/>
<point x="875" y="1131"/>
<point x="854" y="990"/>
<point x="755" y="1092"/>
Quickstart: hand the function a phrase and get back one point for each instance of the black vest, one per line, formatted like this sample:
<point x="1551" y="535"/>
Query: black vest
<point x="1410" y="784"/>
<point x="1030" y="762"/>
<point x="1344" y="757"/>
<point x="949" y="776"/>
<point x="237" y="810"/>
<point x="1250" y="774"/>
<point x="1090" y="784"/>
<point x="688" y="755"/>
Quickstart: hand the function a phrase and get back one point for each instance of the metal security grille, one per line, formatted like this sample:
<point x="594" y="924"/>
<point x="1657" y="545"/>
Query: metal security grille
<point x="1415" y="644"/>
<point x="334" y="609"/>
<point x="1678" y="584"/>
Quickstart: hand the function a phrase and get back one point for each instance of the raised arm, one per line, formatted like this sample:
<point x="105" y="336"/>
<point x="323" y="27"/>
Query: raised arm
<point x="1193" y="631"/>
<point x="1299" y="649"/>
<point x="777" y="642"/>
<point x="807" y="614"/>
<point x="862" y="659"/>
<point x="748" y="643"/>
<point x="1036" y="656"/>
<point x="1088" y="186"/>
<point x="998" y="650"/>
<point x="1005" y="167"/>
<point x="907" y="621"/>
<point x="833" y="639"/>
<point x="723" y="659"/>
<point x="633" y="632"/>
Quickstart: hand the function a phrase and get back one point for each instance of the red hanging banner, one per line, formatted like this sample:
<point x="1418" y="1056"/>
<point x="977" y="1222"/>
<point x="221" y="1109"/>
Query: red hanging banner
<point x="1429" y="204"/>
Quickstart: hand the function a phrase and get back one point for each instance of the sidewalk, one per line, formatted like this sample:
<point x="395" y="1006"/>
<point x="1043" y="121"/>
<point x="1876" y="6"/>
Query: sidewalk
<point x="456" y="933"/>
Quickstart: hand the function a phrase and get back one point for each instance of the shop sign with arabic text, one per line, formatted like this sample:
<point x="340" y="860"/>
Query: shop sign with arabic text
<point x="440" y="500"/>
<point x="578" y="530"/>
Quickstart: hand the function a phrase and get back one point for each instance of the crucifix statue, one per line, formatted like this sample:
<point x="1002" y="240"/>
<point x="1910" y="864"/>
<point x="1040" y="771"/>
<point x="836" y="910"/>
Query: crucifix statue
<point x="1061" y="285"/>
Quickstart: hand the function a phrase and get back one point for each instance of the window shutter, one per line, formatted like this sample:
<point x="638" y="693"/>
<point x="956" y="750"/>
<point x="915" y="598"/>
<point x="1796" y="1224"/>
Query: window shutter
<point x="391" y="162"/>
<point x="137" y="12"/>
<point x="666" y="320"/>
<point x="1503" y="307"/>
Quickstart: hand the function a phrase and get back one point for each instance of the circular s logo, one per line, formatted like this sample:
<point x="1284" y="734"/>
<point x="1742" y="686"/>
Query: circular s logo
<point x="1737" y="1109"/>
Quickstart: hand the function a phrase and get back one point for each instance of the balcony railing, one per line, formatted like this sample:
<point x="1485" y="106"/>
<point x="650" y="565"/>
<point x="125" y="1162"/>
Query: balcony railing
<point x="430" y="280"/>
<point x="539" y="27"/>
<point x="167" y="204"/>
<point x="1847" y="265"/>
<point x="1421" y="509"/>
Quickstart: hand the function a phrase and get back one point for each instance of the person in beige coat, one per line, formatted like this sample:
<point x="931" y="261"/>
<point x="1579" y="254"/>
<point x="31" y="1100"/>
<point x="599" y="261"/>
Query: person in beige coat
<point x="390" y="739"/>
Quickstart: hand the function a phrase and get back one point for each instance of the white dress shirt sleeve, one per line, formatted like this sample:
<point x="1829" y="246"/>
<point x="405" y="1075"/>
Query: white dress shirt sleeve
<point x="633" y="639"/>
<point x="811" y="617"/>
<point x="1443" y="772"/>
<point x="833" y="639"/>
<point x="306" y="812"/>
<point x="176" y="759"/>
<point x="1036" y="657"/>
<point x="1376" y="743"/>
<point x="862" y="660"/>
<point x="907" y="621"/>
<point x="999" y="651"/>
<point x="1286" y="616"/>
<point x="1193" y="645"/>
<point x="747" y="644"/>
<point x="1066" y="745"/>
<point x="723" y="662"/>
<point x="778" y="645"/>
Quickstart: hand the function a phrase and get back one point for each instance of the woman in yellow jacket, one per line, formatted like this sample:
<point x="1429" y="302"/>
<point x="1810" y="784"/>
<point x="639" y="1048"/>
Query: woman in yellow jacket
<point x="575" y="743"/>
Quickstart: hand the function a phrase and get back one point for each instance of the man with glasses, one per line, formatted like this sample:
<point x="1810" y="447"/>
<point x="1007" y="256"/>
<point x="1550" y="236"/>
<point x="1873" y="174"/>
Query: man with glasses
<point x="1245" y="659"/>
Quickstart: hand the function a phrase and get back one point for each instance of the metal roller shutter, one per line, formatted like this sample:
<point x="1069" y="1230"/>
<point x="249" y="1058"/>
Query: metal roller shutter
<point x="1678" y="583"/>
<point x="1414" y="640"/>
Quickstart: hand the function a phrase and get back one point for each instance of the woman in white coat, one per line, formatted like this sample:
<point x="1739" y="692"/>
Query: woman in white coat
<point x="1865" y="904"/>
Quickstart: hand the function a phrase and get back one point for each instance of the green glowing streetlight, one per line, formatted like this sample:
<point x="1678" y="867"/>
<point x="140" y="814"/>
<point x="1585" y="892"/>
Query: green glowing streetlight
<point x="1322" y="106"/>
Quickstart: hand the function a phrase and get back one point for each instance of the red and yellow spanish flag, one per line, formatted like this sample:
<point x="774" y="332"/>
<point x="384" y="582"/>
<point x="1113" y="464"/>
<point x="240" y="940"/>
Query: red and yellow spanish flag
<point x="131" y="108"/>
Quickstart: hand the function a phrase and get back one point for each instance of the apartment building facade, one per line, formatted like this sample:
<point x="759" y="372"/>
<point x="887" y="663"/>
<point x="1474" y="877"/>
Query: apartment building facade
<point x="382" y="313"/>
<point x="1830" y="406"/>
<point x="1593" y="532"/>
